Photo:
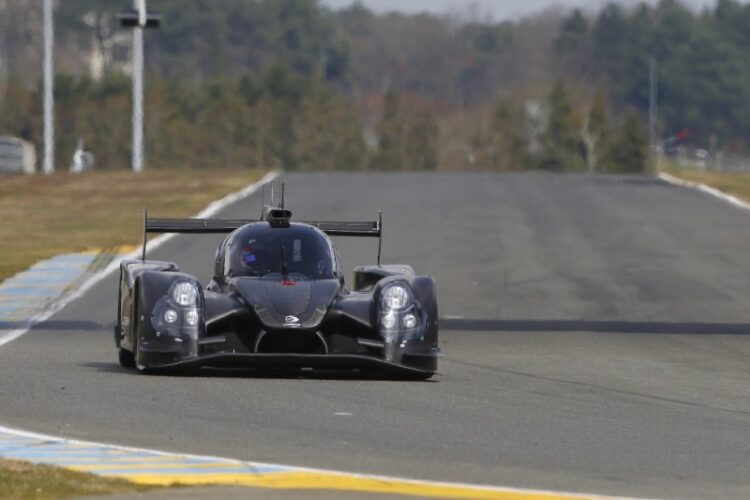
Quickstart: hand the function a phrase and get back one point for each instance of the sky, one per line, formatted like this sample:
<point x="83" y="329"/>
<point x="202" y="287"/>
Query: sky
<point x="498" y="9"/>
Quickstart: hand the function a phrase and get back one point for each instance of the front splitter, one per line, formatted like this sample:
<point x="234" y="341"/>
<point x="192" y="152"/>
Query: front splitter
<point x="339" y="362"/>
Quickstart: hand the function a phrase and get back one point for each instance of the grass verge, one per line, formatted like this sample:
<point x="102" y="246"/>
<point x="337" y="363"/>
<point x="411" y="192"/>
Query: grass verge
<point x="42" y="216"/>
<point x="23" y="480"/>
<point x="734" y="183"/>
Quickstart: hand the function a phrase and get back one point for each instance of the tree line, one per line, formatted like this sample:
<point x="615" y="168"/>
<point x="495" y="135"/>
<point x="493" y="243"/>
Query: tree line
<point x="291" y="83"/>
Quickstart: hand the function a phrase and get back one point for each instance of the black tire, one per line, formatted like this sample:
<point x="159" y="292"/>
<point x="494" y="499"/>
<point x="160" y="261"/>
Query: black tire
<point x="127" y="360"/>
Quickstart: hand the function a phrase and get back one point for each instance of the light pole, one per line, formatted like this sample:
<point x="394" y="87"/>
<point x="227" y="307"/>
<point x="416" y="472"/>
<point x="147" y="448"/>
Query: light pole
<point x="137" y="159"/>
<point x="653" y="111"/>
<point x="49" y="98"/>
<point x="138" y="19"/>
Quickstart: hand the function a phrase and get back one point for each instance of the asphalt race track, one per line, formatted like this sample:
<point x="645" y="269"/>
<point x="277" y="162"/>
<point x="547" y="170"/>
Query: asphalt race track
<point x="596" y="333"/>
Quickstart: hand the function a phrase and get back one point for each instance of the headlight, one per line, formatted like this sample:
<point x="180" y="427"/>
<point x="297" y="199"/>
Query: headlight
<point x="185" y="293"/>
<point x="170" y="316"/>
<point x="192" y="317"/>
<point x="395" y="297"/>
<point x="410" y="321"/>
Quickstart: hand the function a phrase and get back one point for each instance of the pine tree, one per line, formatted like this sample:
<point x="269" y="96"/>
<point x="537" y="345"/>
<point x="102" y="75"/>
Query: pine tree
<point x="561" y="145"/>
<point x="629" y="151"/>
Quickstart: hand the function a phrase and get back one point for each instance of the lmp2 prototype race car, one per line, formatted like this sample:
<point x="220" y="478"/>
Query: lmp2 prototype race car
<point x="277" y="300"/>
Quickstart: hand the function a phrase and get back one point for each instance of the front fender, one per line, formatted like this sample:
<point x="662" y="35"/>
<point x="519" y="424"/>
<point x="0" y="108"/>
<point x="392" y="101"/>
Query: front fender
<point x="167" y="337"/>
<point x="130" y="270"/>
<point x="400" y="341"/>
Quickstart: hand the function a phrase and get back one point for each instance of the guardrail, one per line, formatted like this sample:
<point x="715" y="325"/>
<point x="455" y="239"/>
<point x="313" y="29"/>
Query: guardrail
<point x="16" y="156"/>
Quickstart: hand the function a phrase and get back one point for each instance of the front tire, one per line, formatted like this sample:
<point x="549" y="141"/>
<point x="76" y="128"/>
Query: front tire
<point x="127" y="360"/>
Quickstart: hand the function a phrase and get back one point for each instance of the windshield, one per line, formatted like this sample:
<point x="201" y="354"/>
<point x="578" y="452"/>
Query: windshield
<point x="297" y="252"/>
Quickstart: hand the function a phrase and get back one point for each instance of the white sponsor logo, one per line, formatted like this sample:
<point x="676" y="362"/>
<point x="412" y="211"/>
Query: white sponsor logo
<point x="291" y="321"/>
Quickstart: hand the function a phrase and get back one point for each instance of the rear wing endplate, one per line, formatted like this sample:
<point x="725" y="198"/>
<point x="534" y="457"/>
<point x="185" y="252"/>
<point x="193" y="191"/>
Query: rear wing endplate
<point x="373" y="229"/>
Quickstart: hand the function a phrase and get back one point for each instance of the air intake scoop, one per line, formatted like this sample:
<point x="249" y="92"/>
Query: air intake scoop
<point x="278" y="217"/>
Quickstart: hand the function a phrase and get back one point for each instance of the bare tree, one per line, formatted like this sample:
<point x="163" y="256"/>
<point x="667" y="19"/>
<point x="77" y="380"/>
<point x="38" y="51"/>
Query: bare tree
<point x="593" y="133"/>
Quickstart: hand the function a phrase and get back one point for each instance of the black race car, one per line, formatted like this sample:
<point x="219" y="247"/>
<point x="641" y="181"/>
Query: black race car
<point x="277" y="300"/>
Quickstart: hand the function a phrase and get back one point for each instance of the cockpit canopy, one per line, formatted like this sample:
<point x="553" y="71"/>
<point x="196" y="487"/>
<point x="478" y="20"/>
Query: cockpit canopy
<point x="298" y="251"/>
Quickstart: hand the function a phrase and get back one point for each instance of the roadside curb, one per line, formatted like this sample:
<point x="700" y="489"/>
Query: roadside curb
<point x="90" y="269"/>
<point x="705" y="188"/>
<point x="39" y="288"/>
<point x="151" y="467"/>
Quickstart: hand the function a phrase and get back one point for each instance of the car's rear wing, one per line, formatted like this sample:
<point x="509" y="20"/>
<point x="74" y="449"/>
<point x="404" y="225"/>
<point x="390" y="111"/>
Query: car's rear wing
<point x="372" y="229"/>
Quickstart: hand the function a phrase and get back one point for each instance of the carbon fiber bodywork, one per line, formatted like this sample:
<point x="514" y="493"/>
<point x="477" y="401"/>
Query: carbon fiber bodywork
<point x="169" y="321"/>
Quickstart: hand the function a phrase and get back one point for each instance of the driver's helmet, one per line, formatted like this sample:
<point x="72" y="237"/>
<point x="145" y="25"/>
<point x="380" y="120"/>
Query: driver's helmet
<point x="253" y="256"/>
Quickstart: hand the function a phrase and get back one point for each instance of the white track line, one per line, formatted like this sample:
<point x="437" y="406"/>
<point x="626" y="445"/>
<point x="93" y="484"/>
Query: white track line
<point x="211" y="210"/>
<point x="706" y="189"/>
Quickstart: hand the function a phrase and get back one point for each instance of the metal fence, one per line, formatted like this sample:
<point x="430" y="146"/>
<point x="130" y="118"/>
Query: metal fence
<point x="16" y="156"/>
<point x="701" y="159"/>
